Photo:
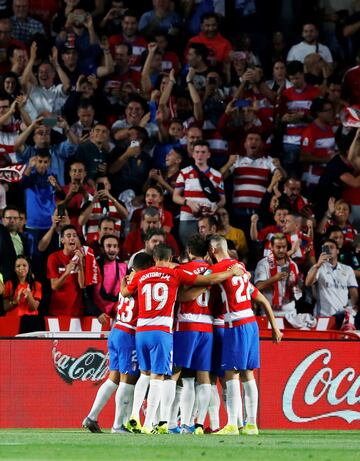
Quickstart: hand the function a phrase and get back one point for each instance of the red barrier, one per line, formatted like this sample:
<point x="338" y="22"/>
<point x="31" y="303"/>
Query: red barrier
<point x="302" y="384"/>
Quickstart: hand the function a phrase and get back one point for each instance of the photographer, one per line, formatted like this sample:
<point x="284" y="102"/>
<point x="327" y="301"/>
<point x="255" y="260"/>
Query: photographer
<point x="335" y="283"/>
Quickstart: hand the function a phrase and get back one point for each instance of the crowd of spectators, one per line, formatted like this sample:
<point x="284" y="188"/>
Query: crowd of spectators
<point x="127" y="124"/>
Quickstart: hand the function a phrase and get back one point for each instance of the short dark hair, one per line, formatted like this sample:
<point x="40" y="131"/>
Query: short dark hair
<point x="294" y="67"/>
<point x="201" y="142"/>
<point x="332" y="229"/>
<point x="143" y="134"/>
<point x="106" y="218"/>
<point x="67" y="227"/>
<point x="127" y="46"/>
<point x="197" y="245"/>
<point x="142" y="261"/>
<point x="10" y="208"/>
<point x="43" y="152"/>
<point x="131" y="13"/>
<point x="201" y="50"/>
<point x="318" y="105"/>
<point x="85" y="104"/>
<point x="212" y="220"/>
<point x="105" y="237"/>
<point x="209" y="16"/>
<point x="157" y="188"/>
<point x="162" y="252"/>
<point x="151" y="232"/>
<point x="328" y="240"/>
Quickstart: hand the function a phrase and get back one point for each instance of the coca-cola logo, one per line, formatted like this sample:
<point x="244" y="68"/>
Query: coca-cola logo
<point x="316" y="391"/>
<point x="92" y="365"/>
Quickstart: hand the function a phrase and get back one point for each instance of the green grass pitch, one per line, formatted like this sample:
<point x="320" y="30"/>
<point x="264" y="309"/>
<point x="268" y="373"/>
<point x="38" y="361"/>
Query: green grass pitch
<point x="56" y="444"/>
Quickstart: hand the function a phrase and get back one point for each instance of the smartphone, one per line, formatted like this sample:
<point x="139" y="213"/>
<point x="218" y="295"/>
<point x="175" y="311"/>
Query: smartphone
<point x="240" y="103"/>
<point x="134" y="144"/>
<point x="325" y="249"/>
<point x="49" y="121"/>
<point x="100" y="186"/>
<point x="85" y="131"/>
<point x="79" y="18"/>
<point x="212" y="80"/>
<point x="61" y="210"/>
<point x="284" y="269"/>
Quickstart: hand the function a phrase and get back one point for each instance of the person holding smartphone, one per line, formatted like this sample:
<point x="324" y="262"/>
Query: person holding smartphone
<point x="335" y="284"/>
<point x="278" y="278"/>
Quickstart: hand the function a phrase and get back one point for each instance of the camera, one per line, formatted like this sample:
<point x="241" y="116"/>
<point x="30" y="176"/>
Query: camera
<point x="134" y="144"/>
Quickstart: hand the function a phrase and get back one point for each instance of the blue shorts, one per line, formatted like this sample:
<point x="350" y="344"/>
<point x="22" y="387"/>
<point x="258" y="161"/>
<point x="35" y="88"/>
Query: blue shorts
<point x="241" y="347"/>
<point x="216" y="358"/>
<point x="154" y="351"/>
<point x="192" y="349"/>
<point x="122" y="352"/>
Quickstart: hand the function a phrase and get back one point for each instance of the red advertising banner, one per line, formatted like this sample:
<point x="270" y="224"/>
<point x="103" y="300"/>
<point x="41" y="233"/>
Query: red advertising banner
<point x="302" y="384"/>
<point x="310" y="385"/>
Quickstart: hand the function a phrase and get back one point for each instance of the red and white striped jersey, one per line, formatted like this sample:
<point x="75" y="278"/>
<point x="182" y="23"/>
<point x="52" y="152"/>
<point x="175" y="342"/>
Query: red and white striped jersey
<point x="251" y="178"/>
<point x="157" y="289"/>
<point x="127" y="314"/>
<point x="8" y="135"/>
<point x="195" y="315"/>
<point x="319" y="142"/>
<point x="237" y="293"/>
<point x="188" y="181"/>
<point x="91" y="228"/>
<point x="294" y="100"/>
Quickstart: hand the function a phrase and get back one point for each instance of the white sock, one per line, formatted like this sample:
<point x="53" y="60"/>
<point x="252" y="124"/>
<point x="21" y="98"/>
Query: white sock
<point x="153" y="400"/>
<point x="130" y="405"/>
<point x="173" y="419"/>
<point x="240" y="419"/>
<point x="251" y="400"/>
<point x="233" y="401"/>
<point x="167" y="399"/>
<point x="123" y="398"/>
<point x="103" y="394"/>
<point x="195" y="409"/>
<point x="214" y="408"/>
<point x="187" y="400"/>
<point x="203" y="392"/>
<point x="139" y="394"/>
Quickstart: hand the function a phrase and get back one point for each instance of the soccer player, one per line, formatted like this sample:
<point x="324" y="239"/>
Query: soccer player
<point x="123" y="366"/>
<point x="193" y="340"/>
<point x="157" y="289"/>
<point x="241" y="340"/>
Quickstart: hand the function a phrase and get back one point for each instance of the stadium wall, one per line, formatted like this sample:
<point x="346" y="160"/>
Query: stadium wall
<point x="303" y="384"/>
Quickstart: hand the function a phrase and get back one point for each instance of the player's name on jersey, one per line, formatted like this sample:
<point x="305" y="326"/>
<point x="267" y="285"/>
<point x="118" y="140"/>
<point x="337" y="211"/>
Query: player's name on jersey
<point x="155" y="275"/>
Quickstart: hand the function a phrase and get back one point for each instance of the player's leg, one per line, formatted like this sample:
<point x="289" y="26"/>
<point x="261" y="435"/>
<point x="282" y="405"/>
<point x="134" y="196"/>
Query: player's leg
<point x="106" y="390"/>
<point x="141" y="387"/>
<point x="214" y="405"/>
<point x="231" y="348"/>
<point x="248" y="380"/>
<point x="175" y="407"/>
<point x="161" y="352"/>
<point x="129" y="373"/>
<point x="201" y="361"/>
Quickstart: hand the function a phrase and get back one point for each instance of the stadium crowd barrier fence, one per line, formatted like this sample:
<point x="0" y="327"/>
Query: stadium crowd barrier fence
<point x="303" y="384"/>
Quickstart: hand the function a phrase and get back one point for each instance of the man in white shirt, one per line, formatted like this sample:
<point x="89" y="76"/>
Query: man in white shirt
<point x="335" y="283"/>
<point x="309" y="45"/>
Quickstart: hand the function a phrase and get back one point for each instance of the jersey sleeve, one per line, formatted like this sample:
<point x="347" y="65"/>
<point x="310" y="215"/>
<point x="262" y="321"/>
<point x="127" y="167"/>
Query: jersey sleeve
<point x="185" y="277"/>
<point x="131" y="287"/>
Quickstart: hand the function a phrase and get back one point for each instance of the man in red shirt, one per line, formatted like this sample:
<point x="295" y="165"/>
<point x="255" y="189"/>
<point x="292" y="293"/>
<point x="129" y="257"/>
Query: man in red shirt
<point x="66" y="271"/>
<point x="210" y="36"/>
<point x="317" y="142"/>
<point x="294" y="108"/>
<point x="157" y="290"/>
<point x="129" y="26"/>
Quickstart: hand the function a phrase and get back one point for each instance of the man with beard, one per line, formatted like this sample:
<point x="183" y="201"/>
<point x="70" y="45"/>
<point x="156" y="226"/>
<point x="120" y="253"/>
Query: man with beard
<point x="309" y="45"/>
<point x="292" y="198"/>
<point x="277" y="276"/>
<point x="106" y="292"/>
<point x="65" y="269"/>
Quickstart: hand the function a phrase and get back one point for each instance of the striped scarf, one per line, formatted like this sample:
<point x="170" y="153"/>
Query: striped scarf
<point x="289" y="282"/>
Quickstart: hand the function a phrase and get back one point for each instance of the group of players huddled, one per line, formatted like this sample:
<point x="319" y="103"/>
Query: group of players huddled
<point x="215" y="337"/>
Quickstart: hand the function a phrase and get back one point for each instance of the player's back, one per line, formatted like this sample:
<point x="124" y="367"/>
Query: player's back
<point x="195" y="315"/>
<point x="127" y="314"/>
<point x="237" y="292"/>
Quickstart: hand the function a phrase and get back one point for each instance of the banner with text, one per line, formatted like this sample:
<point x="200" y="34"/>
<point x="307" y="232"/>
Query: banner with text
<point x="302" y="384"/>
